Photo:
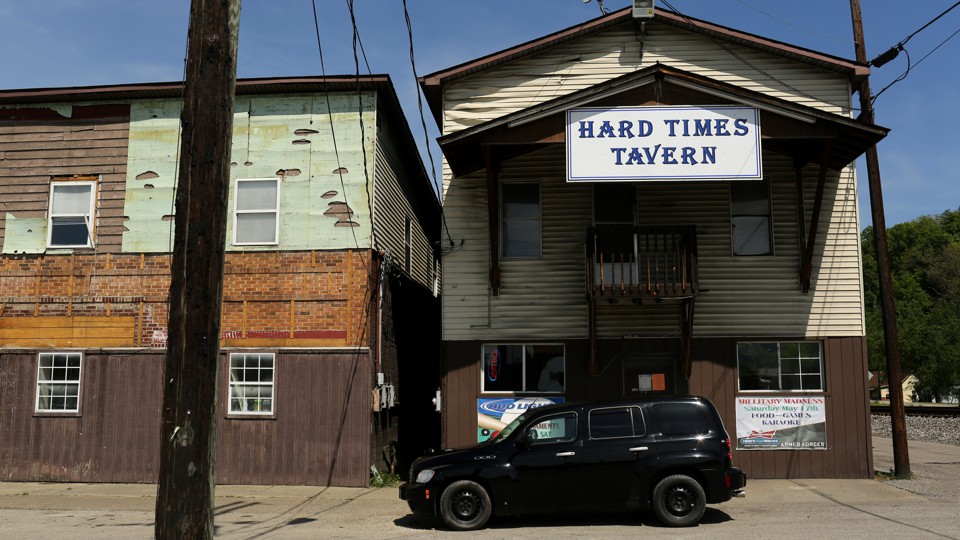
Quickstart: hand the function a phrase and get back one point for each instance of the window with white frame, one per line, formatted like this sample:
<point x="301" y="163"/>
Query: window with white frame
<point x="524" y="368"/>
<point x="256" y="211"/>
<point x="750" y="218"/>
<point x="520" y="218"/>
<point x="58" y="382"/>
<point x="71" y="214"/>
<point x="251" y="383"/>
<point x="780" y="366"/>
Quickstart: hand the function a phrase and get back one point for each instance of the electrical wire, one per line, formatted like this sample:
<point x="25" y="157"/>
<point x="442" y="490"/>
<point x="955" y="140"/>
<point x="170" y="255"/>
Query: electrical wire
<point x="426" y="138"/>
<point x="903" y="75"/>
<point x="788" y="23"/>
<point x="743" y="60"/>
<point x="363" y="136"/>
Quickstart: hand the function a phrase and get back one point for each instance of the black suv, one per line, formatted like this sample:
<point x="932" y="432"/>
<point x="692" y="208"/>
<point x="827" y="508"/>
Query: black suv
<point x="670" y="454"/>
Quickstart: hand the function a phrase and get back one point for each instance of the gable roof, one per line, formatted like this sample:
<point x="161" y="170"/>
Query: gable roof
<point x="433" y="83"/>
<point x="782" y="119"/>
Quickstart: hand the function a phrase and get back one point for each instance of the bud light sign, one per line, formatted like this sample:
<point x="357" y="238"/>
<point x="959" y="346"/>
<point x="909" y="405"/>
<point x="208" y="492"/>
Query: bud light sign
<point x="493" y="414"/>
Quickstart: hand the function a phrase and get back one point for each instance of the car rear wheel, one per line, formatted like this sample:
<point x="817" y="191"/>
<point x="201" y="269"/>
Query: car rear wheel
<point x="465" y="505"/>
<point x="679" y="501"/>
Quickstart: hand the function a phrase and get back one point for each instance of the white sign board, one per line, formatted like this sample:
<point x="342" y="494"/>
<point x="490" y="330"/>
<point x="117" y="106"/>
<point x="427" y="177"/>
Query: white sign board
<point x="663" y="143"/>
<point x="781" y="423"/>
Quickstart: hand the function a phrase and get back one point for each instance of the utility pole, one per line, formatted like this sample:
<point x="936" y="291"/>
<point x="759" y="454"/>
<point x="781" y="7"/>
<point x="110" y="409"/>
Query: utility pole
<point x="189" y="415"/>
<point x="901" y="454"/>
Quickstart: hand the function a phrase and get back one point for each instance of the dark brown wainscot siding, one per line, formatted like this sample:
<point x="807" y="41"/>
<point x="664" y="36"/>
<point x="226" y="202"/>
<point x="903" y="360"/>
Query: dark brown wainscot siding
<point x="320" y="435"/>
<point x="849" y="452"/>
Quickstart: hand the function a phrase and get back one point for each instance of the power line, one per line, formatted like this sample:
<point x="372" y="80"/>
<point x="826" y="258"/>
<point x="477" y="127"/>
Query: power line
<point x="903" y="75"/>
<point x="788" y="23"/>
<point x="423" y="123"/>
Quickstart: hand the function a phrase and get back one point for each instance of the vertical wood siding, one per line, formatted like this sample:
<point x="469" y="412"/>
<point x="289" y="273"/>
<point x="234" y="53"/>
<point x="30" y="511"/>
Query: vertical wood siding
<point x="32" y="152"/>
<point x="320" y="436"/>
<point x="849" y="446"/>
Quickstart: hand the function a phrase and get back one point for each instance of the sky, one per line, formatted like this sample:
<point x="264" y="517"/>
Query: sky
<point x="66" y="43"/>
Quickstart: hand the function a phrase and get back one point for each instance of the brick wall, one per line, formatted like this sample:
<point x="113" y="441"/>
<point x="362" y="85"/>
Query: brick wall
<point x="270" y="299"/>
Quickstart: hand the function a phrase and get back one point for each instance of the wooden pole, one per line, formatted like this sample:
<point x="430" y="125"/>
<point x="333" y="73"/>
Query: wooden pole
<point x="189" y="415"/>
<point x="901" y="454"/>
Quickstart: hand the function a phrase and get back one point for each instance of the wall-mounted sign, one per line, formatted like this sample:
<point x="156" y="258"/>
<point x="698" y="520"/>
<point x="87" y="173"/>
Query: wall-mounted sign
<point x="663" y="143"/>
<point x="493" y="414"/>
<point x="781" y="423"/>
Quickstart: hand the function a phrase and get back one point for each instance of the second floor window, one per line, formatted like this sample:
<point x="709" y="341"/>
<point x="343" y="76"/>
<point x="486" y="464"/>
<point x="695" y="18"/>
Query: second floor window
<point x="520" y="215"/>
<point x="257" y="212"/>
<point x="750" y="218"/>
<point x="71" y="214"/>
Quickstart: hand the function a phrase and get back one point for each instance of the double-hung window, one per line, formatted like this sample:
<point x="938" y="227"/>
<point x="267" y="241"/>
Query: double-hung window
<point x="780" y="366"/>
<point x="750" y="218"/>
<point x="251" y="383"/>
<point x="71" y="214"/>
<point x="257" y="211"/>
<point x="58" y="382"/>
<point x="520" y="218"/>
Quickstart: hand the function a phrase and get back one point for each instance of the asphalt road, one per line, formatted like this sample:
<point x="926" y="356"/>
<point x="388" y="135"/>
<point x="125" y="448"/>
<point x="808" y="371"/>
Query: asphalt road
<point x="771" y="509"/>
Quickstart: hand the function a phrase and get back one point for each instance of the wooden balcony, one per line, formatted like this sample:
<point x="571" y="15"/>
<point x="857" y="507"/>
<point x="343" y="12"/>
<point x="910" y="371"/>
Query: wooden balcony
<point x="636" y="263"/>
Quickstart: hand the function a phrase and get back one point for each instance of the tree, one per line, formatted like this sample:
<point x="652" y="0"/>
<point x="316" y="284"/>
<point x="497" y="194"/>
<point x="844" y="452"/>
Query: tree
<point x="925" y="260"/>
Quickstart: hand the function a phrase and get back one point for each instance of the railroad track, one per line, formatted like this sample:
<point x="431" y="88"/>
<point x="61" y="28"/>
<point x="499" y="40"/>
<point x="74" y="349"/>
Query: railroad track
<point x="948" y="411"/>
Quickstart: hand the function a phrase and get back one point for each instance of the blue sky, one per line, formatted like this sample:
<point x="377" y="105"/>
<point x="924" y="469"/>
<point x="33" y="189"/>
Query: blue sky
<point x="63" y="43"/>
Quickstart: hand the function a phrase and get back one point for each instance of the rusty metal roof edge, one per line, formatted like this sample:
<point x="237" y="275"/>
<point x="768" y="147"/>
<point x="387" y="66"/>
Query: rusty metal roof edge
<point x="266" y="85"/>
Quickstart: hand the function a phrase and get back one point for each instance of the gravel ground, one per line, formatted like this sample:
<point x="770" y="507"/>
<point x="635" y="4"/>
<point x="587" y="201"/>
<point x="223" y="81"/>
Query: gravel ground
<point x="921" y="428"/>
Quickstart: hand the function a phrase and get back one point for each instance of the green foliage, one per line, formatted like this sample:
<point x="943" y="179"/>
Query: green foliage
<point x="384" y="480"/>
<point x="925" y="264"/>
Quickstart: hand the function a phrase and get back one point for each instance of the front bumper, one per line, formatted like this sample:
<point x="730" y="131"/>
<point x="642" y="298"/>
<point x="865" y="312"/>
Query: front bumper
<point x="419" y="498"/>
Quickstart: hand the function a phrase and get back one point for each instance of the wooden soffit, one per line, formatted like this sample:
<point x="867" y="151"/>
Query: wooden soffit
<point x="788" y="128"/>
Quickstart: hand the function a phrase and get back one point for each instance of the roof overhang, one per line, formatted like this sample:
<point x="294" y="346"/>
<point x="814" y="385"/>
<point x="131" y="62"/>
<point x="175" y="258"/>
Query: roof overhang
<point x="434" y="83"/>
<point x="787" y="127"/>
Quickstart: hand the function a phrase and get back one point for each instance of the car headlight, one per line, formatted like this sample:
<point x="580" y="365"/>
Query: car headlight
<point x="424" y="476"/>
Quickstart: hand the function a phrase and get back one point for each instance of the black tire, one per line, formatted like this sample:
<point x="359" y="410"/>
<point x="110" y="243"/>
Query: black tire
<point x="465" y="505"/>
<point x="679" y="501"/>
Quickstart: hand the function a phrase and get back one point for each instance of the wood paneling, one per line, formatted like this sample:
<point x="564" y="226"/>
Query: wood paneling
<point x="849" y="446"/>
<point x="67" y="332"/>
<point x="37" y="147"/>
<point x="319" y="436"/>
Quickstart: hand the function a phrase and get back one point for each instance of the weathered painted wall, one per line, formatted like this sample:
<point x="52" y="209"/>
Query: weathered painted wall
<point x="323" y="160"/>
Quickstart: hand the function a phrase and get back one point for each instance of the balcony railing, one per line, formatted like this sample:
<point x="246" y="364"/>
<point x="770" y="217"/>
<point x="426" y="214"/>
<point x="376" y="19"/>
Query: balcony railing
<point x="636" y="262"/>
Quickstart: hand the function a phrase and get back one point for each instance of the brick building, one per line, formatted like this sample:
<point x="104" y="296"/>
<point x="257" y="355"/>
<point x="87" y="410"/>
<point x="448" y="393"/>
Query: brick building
<point x="329" y="301"/>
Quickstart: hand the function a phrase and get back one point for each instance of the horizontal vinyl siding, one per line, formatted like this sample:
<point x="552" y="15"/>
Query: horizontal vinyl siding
<point x="391" y="208"/>
<point x="544" y="299"/>
<point x="600" y="57"/>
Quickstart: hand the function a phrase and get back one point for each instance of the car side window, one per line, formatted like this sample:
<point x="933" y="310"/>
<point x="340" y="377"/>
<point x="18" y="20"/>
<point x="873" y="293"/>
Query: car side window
<point x="681" y="419"/>
<point x="554" y="429"/>
<point x="615" y="422"/>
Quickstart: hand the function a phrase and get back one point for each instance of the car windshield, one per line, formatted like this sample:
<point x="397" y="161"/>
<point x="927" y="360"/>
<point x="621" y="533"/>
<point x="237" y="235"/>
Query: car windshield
<point x="507" y="430"/>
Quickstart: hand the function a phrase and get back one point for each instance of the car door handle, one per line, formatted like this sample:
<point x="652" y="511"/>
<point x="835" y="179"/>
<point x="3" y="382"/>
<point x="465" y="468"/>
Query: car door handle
<point x="639" y="449"/>
<point x="566" y="454"/>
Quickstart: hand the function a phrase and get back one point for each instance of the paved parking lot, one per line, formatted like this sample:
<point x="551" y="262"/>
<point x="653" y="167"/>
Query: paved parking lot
<point x="772" y="508"/>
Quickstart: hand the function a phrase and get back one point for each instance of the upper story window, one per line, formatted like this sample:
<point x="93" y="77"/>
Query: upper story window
<point x="520" y="215"/>
<point x="257" y="212"/>
<point x="71" y="214"/>
<point x="791" y="365"/>
<point x="58" y="382"/>
<point x="750" y="218"/>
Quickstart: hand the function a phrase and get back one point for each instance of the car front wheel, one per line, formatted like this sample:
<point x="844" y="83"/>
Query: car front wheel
<point x="465" y="505"/>
<point x="679" y="501"/>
